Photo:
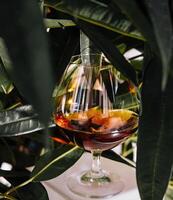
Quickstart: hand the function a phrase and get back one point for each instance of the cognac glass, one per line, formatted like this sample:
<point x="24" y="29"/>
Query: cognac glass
<point x="96" y="110"/>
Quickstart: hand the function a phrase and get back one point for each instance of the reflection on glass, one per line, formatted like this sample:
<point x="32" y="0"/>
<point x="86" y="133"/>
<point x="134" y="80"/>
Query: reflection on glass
<point x="96" y="109"/>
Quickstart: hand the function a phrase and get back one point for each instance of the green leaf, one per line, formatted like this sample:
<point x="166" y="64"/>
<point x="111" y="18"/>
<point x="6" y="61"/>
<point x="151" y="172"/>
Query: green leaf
<point x="19" y="121"/>
<point x="155" y="136"/>
<point x="114" y="156"/>
<point x="136" y="14"/>
<point x="137" y="64"/>
<point x="55" y="163"/>
<point x="98" y="13"/>
<point x="4" y="55"/>
<point x="27" y="46"/>
<point x="29" y="191"/>
<point x="33" y="191"/>
<point x="58" y="23"/>
<point x="101" y="40"/>
<point x="25" y="191"/>
<point x="169" y="194"/>
<point x="65" y="42"/>
<point x="5" y="82"/>
<point x="161" y="16"/>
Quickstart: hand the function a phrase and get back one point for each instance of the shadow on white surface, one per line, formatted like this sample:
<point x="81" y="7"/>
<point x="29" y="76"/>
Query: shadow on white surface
<point x="57" y="189"/>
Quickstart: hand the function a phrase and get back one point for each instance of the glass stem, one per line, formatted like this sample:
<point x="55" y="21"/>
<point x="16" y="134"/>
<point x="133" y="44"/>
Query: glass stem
<point x="96" y="163"/>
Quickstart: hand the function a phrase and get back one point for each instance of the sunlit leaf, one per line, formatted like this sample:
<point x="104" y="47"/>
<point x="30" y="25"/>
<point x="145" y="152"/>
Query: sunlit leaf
<point x="5" y="82"/>
<point x="169" y="193"/>
<point x="58" y="23"/>
<point x="4" y="55"/>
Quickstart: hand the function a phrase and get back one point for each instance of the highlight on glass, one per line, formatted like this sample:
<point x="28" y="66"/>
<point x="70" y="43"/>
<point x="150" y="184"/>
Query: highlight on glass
<point x="95" y="108"/>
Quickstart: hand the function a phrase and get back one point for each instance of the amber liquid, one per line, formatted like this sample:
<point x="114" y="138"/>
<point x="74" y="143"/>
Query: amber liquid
<point x="94" y="129"/>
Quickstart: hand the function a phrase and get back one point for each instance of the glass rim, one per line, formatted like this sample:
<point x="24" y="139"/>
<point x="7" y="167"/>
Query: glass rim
<point x="87" y="54"/>
<point x="77" y="57"/>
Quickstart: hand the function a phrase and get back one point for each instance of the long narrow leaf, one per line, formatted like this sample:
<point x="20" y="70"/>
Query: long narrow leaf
<point x="33" y="191"/>
<point x="98" y="13"/>
<point x="58" y="23"/>
<point x="160" y="15"/>
<point x="5" y="82"/>
<point x="55" y="162"/>
<point x="133" y="10"/>
<point x="155" y="137"/>
<point x="29" y="191"/>
<point x="109" y="49"/>
<point x="64" y="43"/>
<point x="25" y="37"/>
<point x="114" y="156"/>
<point x="4" y="55"/>
<point x="19" y="121"/>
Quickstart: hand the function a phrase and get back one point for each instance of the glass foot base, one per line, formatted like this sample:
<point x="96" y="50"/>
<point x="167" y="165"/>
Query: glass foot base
<point x="90" y="186"/>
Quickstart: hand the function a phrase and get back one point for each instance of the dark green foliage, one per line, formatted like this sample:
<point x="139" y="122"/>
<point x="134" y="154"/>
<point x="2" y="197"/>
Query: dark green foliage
<point x="155" y="137"/>
<point x="55" y="162"/>
<point x="19" y="121"/>
<point x="30" y="191"/>
<point x="135" y="13"/>
<point x="154" y="161"/>
<point x="98" y="13"/>
<point x="114" y="26"/>
<point x="27" y="45"/>
<point x="114" y="156"/>
<point x="61" y="39"/>
<point x="33" y="191"/>
<point x="156" y="9"/>
<point x="109" y="49"/>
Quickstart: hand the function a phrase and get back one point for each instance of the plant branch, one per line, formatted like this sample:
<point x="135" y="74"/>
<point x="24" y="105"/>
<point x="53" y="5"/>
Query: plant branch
<point x="19" y="186"/>
<point x="40" y="172"/>
<point x="5" y="196"/>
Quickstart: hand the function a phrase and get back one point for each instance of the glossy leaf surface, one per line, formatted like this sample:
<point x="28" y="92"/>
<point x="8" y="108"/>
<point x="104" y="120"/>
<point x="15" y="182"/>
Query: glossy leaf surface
<point x="27" y="46"/>
<point x="99" y="13"/>
<point x="5" y="63"/>
<point x="55" y="162"/>
<point x="161" y="16"/>
<point x="114" y="156"/>
<point x="136" y="14"/>
<point x="19" y="121"/>
<point x="29" y="191"/>
<point x="155" y="137"/>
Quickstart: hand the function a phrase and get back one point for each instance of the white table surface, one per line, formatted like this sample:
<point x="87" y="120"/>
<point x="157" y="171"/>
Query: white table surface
<point x="57" y="189"/>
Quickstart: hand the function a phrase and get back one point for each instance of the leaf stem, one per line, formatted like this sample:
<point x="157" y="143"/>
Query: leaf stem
<point x="53" y="161"/>
<point x="40" y="172"/>
<point x="5" y="196"/>
<point x="19" y="186"/>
